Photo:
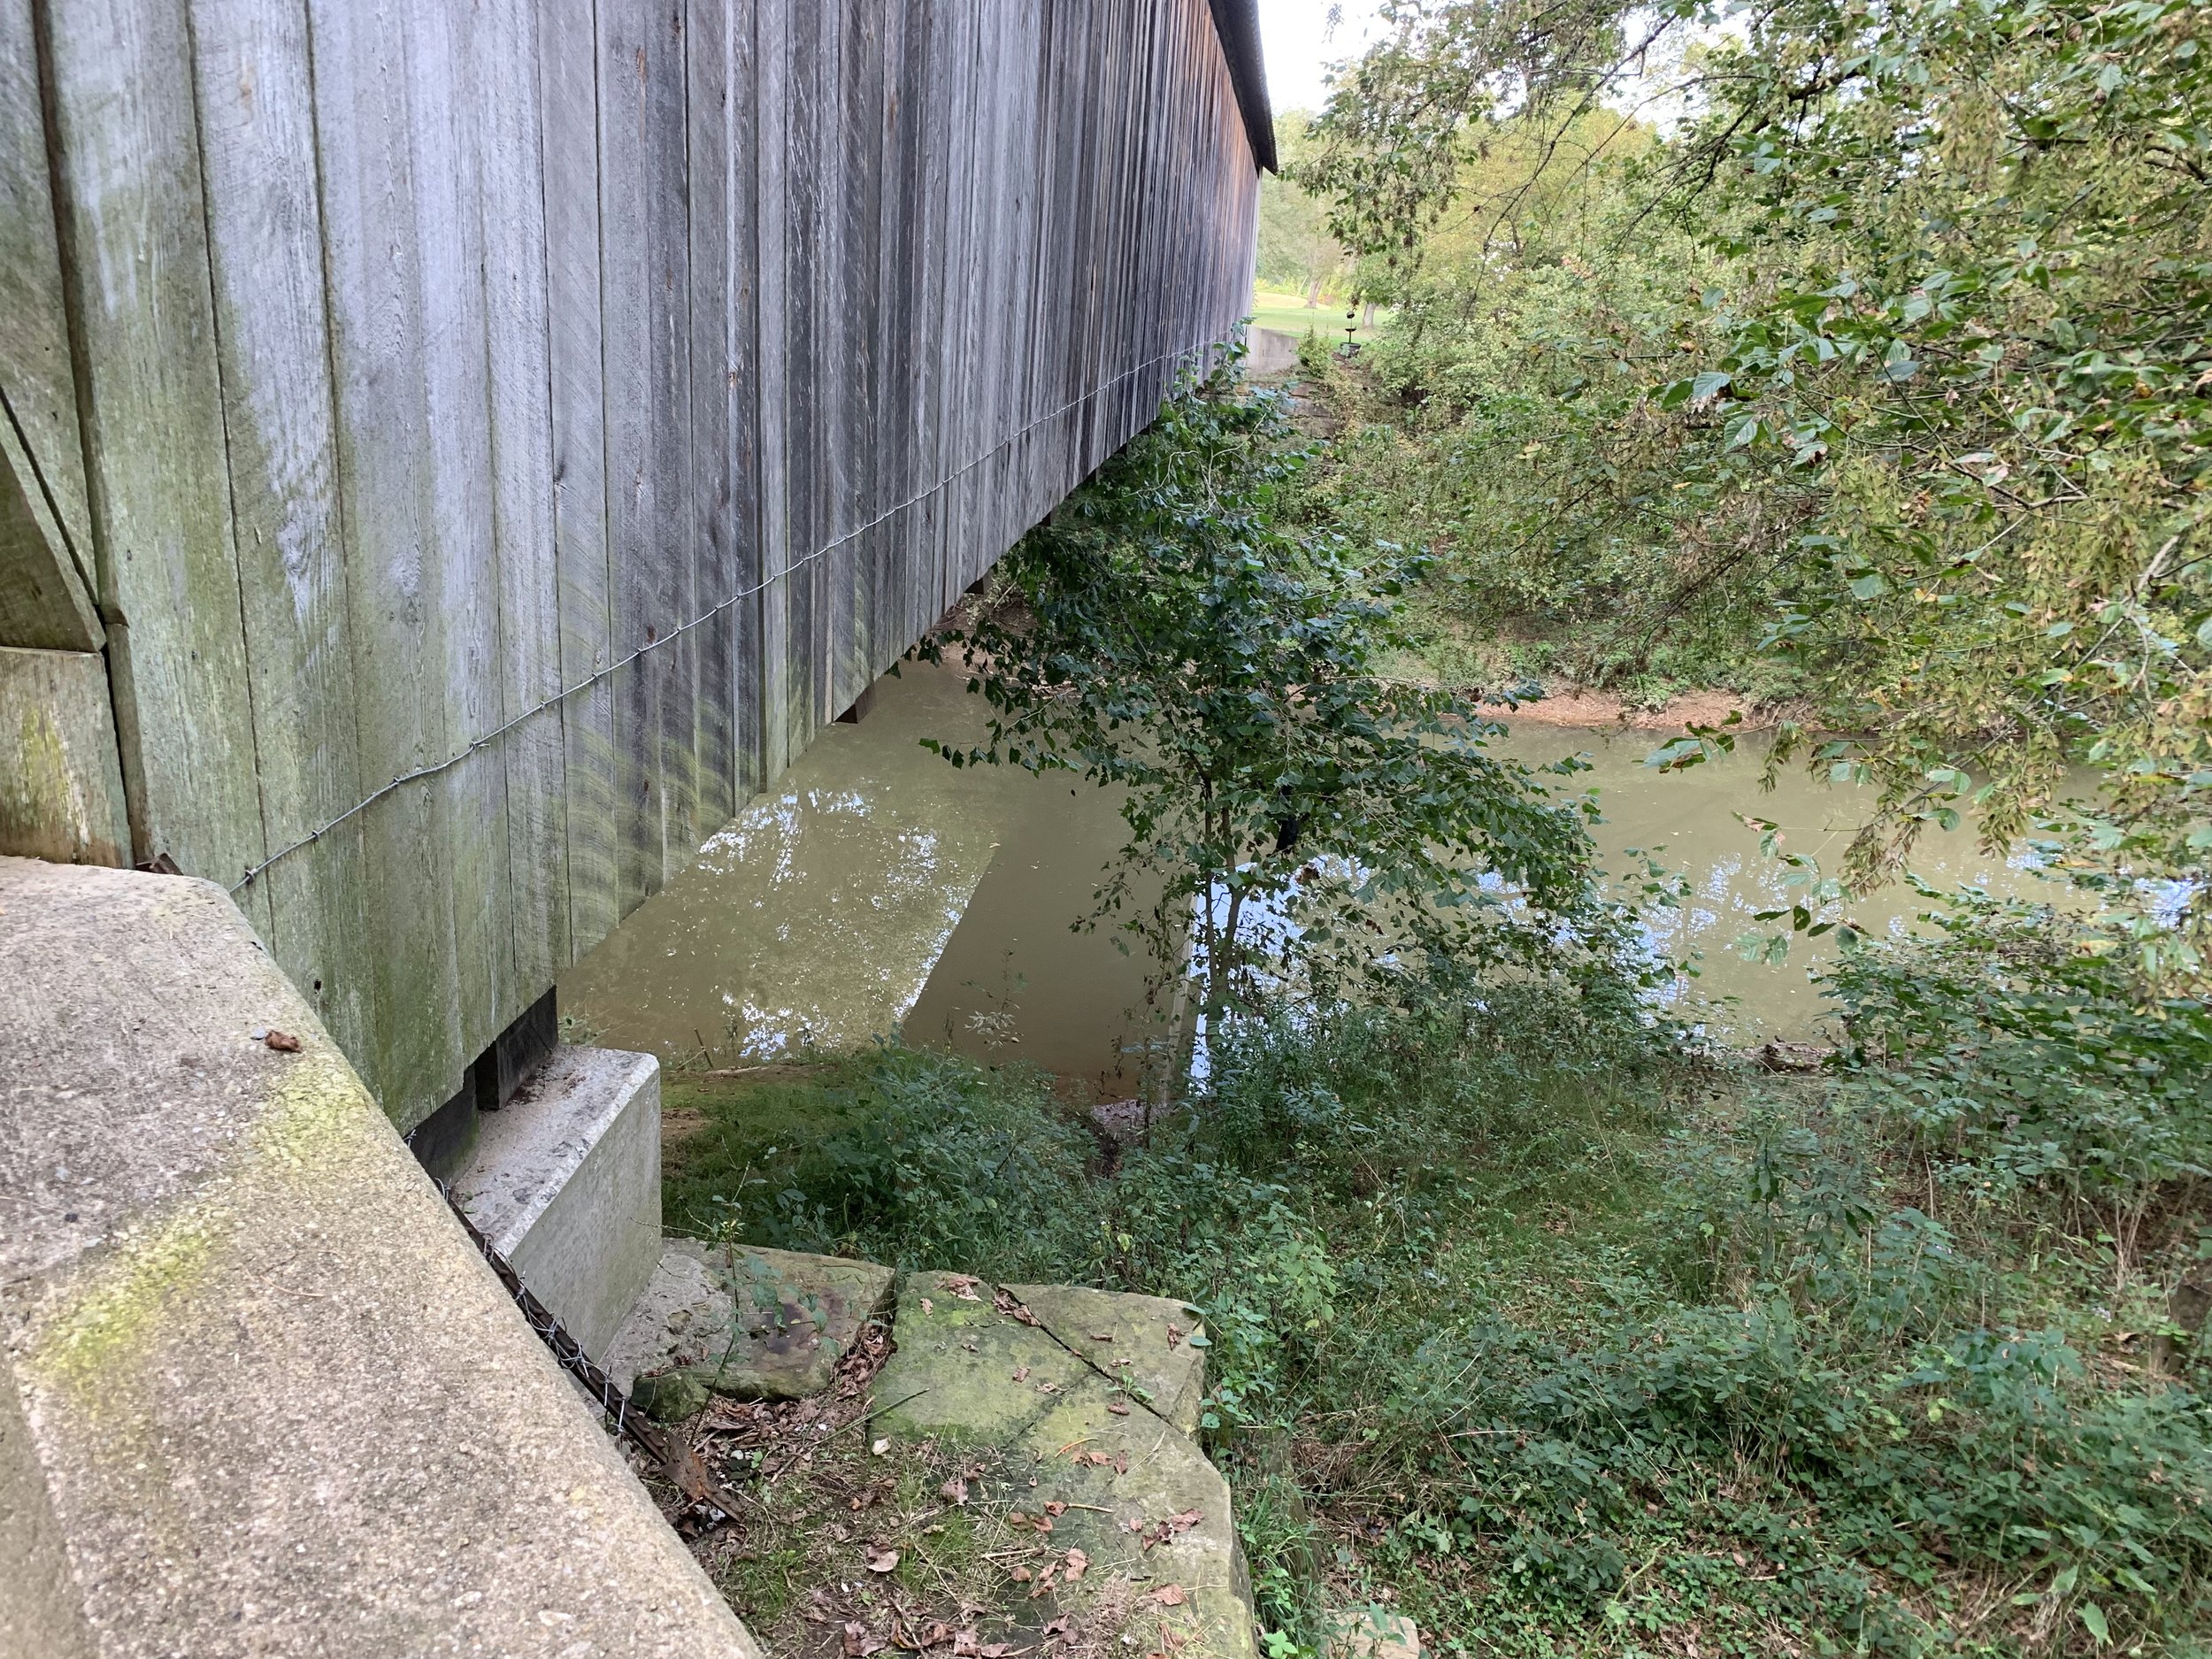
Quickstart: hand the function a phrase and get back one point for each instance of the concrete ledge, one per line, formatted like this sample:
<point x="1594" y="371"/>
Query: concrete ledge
<point x="565" y="1182"/>
<point x="271" y="1401"/>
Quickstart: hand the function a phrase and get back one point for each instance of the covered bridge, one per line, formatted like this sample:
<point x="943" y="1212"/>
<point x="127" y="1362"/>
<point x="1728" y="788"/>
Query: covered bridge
<point x="454" y="454"/>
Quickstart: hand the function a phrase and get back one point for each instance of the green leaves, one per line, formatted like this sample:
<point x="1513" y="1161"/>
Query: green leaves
<point x="1182" y="638"/>
<point x="1926" y="286"/>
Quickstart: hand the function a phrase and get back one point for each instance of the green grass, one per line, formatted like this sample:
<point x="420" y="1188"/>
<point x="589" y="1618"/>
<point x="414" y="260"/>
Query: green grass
<point x="1563" y="1342"/>
<point x="730" y="1144"/>
<point x="1288" y="313"/>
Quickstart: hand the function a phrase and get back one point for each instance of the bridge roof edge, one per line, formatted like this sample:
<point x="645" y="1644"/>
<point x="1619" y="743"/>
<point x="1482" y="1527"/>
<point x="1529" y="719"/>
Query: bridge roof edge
<point x="1238" y="24"/>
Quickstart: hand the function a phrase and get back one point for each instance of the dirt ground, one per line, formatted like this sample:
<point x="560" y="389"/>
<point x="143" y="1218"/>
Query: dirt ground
<point x="848" y="1547"/>
<point x="1577" y="707"/>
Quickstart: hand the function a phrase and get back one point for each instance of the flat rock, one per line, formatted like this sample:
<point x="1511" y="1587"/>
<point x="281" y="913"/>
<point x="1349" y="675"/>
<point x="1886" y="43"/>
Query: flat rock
<point x="1057" y="1428"/>
<point x="966" y="1374"/>
<point x="752" y="1323"/>
<point x="1155" y="1347"/>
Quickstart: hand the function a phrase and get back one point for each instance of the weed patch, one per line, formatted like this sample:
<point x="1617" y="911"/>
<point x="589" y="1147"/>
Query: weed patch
<point x="1562" y="1340"/>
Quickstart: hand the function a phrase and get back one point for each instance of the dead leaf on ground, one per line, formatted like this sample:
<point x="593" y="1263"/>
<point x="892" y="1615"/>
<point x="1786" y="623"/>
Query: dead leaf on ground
<point x="928" y="1306"/>
<point x="882" y="1560"/>
<point x="860" y="1641"/>
<point x="1101" y="1336"/>
<point x="1168" y="1529"/>
<point x="1056" y="1508"/>
<point x="1121" y="1463"/>
<point x="936" y="1636"/>
<point x="1012" y="1308"/>
<point x="964" y="1644"/>
<point x="1022" y="1375"/>
<point x="995" y="1650"/>
<point x="954" y="1491"/>
<point x="1170" y="1595"/>
<point x="961" y="1285"/>
<point x="1058" y="1627"/>
<point x="880" y="1446"/>
<point x="282" y="1041"/>
<point x="1044" y="1582"/>
<point x="1117" y="1407"/>
<point x="1022" y="1575"/>
<point x="1078" y="1563"/>
<point x="1174" y="1335"/>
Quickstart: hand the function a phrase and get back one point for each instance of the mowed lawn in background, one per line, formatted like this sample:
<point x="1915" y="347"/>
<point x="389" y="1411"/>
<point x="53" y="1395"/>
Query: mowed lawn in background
<point x="1287" y="312"/>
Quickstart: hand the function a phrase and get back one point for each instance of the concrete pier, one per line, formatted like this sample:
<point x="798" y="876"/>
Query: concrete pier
<point x="258" y="1393"/>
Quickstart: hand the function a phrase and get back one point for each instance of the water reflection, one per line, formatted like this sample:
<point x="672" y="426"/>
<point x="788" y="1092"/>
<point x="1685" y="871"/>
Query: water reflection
<point x="815" y="915"/>
<point x="877" y="889"/>
<point x="1690" y="822"/>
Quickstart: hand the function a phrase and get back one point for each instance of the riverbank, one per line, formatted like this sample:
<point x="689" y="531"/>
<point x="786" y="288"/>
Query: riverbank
<point x="1578" y="705"/>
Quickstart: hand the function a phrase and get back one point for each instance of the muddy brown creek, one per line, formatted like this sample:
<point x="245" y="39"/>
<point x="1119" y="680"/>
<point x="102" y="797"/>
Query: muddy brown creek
<point x="876" y="890"/>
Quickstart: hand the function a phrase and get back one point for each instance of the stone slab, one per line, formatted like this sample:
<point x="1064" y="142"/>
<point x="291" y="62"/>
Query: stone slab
<point x="952" y="1377"/>
<point x="1155" y="1346"/>
<point x="565" y="1182"/>
<point x="1118" y="1518"/>
<point x="1142" y="1500"/>
<point x="271" y="1399"/>
<point x="751" y="1324"/>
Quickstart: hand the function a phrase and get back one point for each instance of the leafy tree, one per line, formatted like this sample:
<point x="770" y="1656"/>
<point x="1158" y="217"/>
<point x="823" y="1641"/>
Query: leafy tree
<point x="1949" y="371"/>
<point x="1297" y="250"/>
<point x="1178" y="639"/>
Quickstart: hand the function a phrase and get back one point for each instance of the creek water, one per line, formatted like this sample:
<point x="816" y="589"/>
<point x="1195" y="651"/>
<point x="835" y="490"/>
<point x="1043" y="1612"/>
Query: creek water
<point x="877" y="889"/>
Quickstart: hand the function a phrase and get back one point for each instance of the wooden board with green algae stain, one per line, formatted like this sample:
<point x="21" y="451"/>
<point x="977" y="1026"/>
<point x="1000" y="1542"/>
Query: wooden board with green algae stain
<point x="276" y="1401"/>
<point x="967" y="1375"/>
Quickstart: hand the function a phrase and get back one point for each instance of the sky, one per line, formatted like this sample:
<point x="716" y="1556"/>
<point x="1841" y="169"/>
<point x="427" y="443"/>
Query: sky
<point x="1298" y="45"/>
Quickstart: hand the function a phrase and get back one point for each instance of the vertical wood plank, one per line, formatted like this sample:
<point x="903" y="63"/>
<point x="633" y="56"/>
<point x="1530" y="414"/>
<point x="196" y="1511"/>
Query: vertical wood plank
<point x="741" y="325"/>
<point x="447" y="49"/>
<point x="510" y="204"/>
<point x="396" y="612"/>
<point x="255" y="92"/>
<point x="568" y="91"/>
<point x="673" y="667"/>
<point x="640" y="604"/>
<point x="773" y="70"/>
<point x="712" y="370"/>
<point x="134" y="257"/>
<point x="805" y="186"/>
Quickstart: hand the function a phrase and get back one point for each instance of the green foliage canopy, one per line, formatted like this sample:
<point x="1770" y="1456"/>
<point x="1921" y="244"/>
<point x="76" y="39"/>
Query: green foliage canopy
<point x="1948" y="363"/>
<point x="1179" y="639"/>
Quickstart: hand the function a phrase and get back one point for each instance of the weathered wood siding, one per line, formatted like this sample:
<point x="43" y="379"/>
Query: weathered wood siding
<point x="504" y="431"/>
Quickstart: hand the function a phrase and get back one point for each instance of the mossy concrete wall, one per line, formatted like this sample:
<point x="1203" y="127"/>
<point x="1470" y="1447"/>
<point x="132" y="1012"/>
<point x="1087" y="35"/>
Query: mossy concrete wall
<point x="259" y="1394"/>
